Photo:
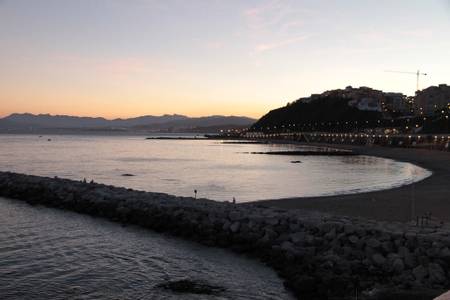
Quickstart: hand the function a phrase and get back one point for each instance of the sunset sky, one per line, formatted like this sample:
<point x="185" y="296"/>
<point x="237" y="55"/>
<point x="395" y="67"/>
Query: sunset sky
<point x="123" y="58"/>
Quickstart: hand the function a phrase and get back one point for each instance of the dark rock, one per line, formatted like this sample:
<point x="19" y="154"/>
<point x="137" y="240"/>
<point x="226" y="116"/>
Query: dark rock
<point x="235" y="227"/>
<point x="420" y="272"/>
<point x="298" y="237"/>
<point x="331" y="234"/>
<point x="305" y="284"/>
<point x="353" y="239"/>
<point x="186" y="286"/>
<point x="349" y="229"/>
<point x="445" y="254"/>
<point x="398" y="266"/>
<point x="378" y="259"/>
<point x="387" y="247"/>
<point x="235" y="215"/>
<point x="373" y="243"/>
<point x="436" y="273"/>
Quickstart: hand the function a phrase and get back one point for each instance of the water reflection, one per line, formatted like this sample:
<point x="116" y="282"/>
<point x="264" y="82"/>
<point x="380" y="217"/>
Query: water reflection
<point x="181" y="166"/>
<point x="52" y="254"/>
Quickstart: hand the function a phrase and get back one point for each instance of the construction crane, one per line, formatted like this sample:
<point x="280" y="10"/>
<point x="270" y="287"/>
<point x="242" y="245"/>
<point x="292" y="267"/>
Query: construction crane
<point x="412" y="73"/>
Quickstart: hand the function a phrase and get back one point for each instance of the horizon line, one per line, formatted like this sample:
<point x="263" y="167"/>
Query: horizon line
<point x="3" y="116"/>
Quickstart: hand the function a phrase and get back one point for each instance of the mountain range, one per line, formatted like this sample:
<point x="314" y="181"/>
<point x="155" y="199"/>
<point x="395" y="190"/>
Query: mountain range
<point x="45" y="122"/>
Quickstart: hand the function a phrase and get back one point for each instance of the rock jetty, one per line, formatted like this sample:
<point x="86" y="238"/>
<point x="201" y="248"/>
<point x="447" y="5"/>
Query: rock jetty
<point x="319" y="256"/>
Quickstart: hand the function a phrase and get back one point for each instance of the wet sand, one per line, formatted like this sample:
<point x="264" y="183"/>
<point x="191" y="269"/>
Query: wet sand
<point x="398" y="204"/>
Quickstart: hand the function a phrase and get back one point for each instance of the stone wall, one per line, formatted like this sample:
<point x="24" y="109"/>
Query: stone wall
<point x="318" y="255"/>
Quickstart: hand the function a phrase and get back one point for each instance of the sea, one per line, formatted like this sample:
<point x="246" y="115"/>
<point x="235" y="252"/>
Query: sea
<point x="216" y="169"/>
<point x="48" y="253"/>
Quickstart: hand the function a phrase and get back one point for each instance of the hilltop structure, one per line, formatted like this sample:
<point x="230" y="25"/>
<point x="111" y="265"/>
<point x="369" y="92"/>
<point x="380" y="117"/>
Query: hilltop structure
<point x="366" y="99"/>
<point x="433" y="100"/>
<point x="361" y="109"/>
<point x="427" y="102"/>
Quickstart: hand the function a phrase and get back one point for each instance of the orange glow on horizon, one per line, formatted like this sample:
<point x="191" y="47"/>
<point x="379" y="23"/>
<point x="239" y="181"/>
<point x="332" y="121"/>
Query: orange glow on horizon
<point x="131" y="58"/>
<point x="117" y="109"/>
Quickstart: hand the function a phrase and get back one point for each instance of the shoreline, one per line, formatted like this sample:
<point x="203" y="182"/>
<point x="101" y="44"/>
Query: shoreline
<point x="404" y="203"/>
<point x="318" y="255"/>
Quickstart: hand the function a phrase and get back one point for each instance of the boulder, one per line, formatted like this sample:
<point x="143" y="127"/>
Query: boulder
<point x="288" y="246"/>
<point x="235" y="227"/>
<point x="353" y="239"/>
<point x="378" y="259"/>
<point x="349" y="229"/>
<point x="298" y="237"/>
<point x="188" y="286"/>
<point x="234" y="216"/>
<point x="398" y="265"/>
<point x="373" y="243"/>
<point x="272" y="221"/>
<point x="420" y="272"/>
<point x="436" y="273"/>
<point x="330" y="235"/>
<point x="387" y="246"/>
<point x="445" y="254"/>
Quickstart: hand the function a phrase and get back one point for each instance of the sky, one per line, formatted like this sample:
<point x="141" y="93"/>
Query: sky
<point x="125" y="58"/>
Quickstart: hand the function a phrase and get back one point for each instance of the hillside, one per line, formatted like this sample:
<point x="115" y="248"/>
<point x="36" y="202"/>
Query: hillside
<point x="317" y="114"/>
<point x="353" y="109"/>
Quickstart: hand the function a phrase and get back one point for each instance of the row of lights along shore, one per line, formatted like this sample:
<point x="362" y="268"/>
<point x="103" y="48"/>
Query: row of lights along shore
<point x="350" y="123"/>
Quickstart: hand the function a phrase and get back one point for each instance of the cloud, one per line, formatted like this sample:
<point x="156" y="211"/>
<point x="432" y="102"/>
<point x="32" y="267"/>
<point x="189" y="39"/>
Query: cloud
<point x="417" y="33"/>
<point x="275" y="24"/>
<point x="126" y="66"/>
<point x="214" y="45"/>
<point x="394" y="38"/>
<point x="373" y="37"/>
<point x="279" y="44"/>
<point x="291" y="25"/>
<point x="268" y="15"/>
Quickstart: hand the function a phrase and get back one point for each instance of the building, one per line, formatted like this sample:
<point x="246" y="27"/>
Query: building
<point x="367" y="99"/>
<point x="432" y="99"/>
<point x="396" y="103"/>
<point x="364" y="98"/>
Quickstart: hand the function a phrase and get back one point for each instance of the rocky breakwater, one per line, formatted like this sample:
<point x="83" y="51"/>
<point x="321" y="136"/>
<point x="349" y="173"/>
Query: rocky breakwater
<point x="318" y="255"/>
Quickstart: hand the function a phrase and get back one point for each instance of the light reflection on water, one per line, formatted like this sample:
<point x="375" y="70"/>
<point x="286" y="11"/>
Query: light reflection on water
<point x="53" y="254"/>
<point x="218" y="171"/>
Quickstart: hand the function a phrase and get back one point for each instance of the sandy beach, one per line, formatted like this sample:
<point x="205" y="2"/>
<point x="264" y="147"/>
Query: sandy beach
<point x="398" y="204"/>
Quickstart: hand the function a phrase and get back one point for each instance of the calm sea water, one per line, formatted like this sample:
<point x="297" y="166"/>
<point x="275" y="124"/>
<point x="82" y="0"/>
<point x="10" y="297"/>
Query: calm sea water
<point x="216" y="170"/>
<point x="53" y="254"/>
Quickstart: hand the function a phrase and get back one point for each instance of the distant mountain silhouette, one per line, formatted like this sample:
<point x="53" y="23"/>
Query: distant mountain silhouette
<point x="211" y="121"/>
<point x="31" y="122"/>
<point x="63" y="121"/>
